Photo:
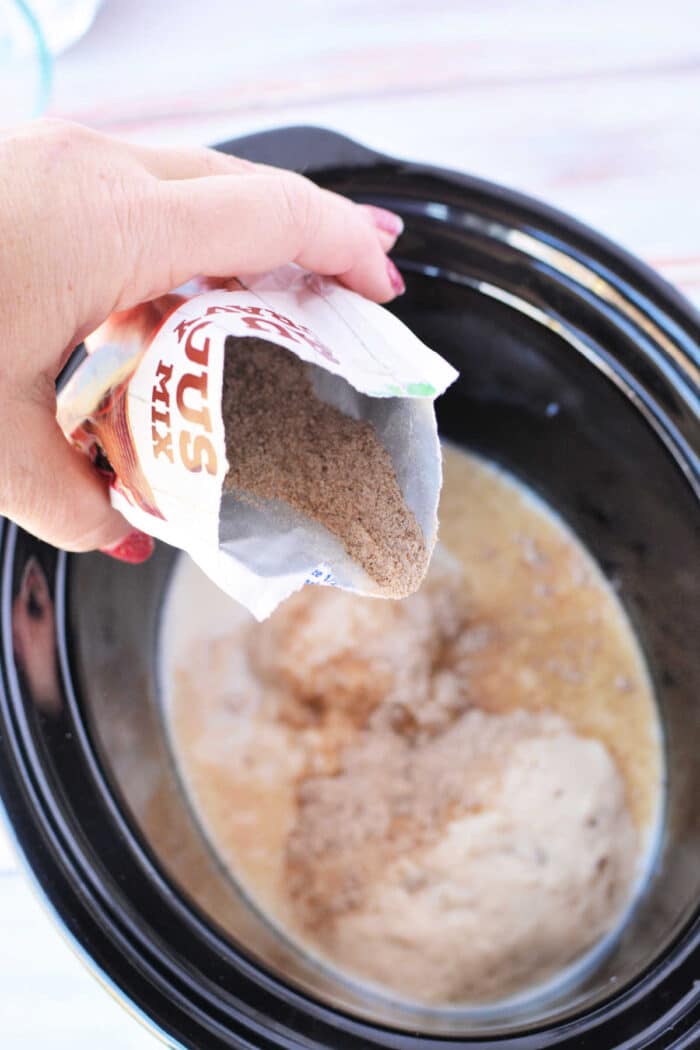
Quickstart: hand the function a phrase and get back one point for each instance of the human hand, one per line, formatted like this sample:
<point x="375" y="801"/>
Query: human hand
<point x="89" y="225"/>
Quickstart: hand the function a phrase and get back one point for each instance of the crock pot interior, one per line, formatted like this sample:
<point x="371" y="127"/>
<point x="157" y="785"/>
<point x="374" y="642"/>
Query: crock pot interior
<point x="580" y="372"/>
<point x="557" y="418"/>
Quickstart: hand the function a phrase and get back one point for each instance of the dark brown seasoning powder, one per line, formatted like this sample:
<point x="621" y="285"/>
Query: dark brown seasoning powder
<point x="283" y="443"/>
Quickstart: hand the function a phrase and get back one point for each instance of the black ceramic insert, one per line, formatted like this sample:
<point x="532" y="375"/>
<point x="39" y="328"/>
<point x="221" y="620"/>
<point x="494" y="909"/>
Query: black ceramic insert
<point x="580" y="373"/>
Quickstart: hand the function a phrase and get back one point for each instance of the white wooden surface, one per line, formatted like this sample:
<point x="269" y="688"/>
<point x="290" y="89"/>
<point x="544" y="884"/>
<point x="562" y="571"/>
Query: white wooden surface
<point x="593" y="107"/>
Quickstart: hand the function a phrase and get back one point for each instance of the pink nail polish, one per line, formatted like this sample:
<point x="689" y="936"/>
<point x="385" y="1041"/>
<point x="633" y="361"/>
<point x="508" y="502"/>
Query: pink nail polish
<point x="134" y="548"/>
<point x="385" y="220"/>
<point x="395" y="278"/>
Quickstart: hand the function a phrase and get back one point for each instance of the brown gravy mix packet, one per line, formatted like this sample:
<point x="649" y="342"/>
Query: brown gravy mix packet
<point x="280" y="430"/>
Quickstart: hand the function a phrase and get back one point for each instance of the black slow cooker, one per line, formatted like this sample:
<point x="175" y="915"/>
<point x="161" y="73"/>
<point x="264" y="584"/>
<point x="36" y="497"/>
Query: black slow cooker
<point x="580" y="373"/>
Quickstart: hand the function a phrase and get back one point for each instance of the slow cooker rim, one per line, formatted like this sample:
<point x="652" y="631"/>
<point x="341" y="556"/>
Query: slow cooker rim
<point x="100" y="922"/>
<point x="328" y="145"/>
<point x="659" y="286"/>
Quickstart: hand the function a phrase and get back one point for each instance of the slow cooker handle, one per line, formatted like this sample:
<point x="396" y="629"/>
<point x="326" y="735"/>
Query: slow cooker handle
<point x="302" y="149"/>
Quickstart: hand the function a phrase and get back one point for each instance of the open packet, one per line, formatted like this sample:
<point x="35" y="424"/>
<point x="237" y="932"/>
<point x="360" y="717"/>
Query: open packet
<point x="281" y="430"/>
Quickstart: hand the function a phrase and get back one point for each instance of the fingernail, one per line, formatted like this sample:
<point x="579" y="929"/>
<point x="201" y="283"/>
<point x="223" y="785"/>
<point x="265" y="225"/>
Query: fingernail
<point x="134" y="548"/>
<point x="395" y="278"/>
<point x="386" y="240"/>
<point x="384" y="220"/>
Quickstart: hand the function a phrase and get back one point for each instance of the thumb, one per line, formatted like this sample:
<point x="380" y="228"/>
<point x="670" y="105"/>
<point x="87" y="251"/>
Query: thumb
<point x="53" y="491"/>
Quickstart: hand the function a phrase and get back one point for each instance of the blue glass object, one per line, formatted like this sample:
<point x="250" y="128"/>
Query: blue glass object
<point x="25" y="64"/>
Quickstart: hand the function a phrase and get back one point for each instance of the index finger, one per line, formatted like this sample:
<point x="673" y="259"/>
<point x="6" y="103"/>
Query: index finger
<point x="249" y="223"/>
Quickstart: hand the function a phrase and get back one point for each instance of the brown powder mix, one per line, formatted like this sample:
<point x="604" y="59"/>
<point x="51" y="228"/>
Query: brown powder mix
<point x="380" y="697"/>
<point x="283" y="443"/>
<point x="425" y="792"/>
<point x="373" y="690"/>
<point x="390" y="801"/>
<point x="335" y="665"/>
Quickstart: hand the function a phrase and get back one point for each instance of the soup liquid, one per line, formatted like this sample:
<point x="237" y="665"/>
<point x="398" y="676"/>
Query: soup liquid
<point x="556" y="640"/>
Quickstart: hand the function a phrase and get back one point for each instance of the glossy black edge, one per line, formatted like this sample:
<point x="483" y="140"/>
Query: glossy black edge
<point x="319" y="151"/>
<point x="639" y="295"/>
<point x="56" y="867"/>
<point x="169" y="995"/>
